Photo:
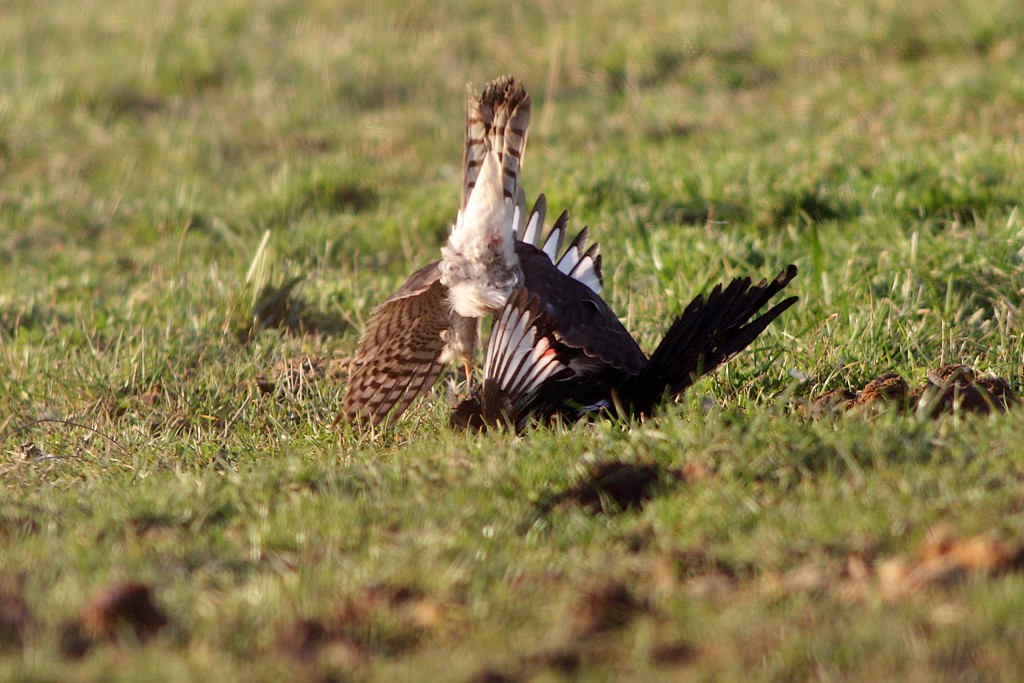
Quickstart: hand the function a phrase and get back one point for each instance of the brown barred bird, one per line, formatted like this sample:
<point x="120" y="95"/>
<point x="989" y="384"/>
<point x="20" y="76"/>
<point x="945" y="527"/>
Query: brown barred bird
<point x="492" y="251"/>
<point x="532" y="372"/>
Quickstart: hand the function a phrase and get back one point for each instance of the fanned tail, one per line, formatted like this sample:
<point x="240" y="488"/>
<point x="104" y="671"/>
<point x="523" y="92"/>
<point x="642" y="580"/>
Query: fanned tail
<point x="709" y="332"/>
<point x="496" y="122"/>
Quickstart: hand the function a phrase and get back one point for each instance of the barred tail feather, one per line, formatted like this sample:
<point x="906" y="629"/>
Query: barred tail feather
<point x="507" y="105"/>
<point x="476" y="147"/>
<point x="497" y="121"/>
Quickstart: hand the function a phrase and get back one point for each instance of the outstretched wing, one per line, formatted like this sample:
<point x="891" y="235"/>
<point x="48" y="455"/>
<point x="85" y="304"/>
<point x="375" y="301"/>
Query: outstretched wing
<point x="522" y="360"/>
<point x="399" y="356"/>
<point x="545" y="359"/>
<point x="519" y="358"/>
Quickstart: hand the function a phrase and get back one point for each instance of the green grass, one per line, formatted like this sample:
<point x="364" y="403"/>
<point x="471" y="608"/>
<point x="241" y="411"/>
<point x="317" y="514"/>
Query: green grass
<point x="149" y="432"/>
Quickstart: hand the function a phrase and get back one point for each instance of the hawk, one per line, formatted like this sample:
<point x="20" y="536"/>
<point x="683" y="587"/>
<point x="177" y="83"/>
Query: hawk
<point x="532" y="373"/>
<point x="491" y="252"/>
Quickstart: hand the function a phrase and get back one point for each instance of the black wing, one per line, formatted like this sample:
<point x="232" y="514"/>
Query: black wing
<point x="579" y="316"/>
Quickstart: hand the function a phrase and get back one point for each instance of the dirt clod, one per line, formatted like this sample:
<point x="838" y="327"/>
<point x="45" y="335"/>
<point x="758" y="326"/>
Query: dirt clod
<point x="122" y="606"/>
<point x="565" y="661"/>
<point x="946" y="559"/>
<point x="307" y="640"/>
<point x="943" y="560"/>
<point x="491" y="676"/>
<point x="603" y="608"/>
<point x="74" y="642"/>
<point x="672" y="653"/>
<point x="889" y="388"/>
<point x="831" y="402"/>
<point x="15" y="618"/>
<point x="953" y="388"/>
<point x="946" y="389"/>
<point x="378" y="620"/>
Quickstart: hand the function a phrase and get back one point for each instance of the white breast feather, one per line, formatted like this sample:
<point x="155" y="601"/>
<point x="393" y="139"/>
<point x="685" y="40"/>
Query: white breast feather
<point x="480" y="267"/>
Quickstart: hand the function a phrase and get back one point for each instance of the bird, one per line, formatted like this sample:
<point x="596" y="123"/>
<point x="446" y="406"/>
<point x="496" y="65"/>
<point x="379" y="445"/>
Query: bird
<point x="493" y="249"/>
<point x="531" y="374"/>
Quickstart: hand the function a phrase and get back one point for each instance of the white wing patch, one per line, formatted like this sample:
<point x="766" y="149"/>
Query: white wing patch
<point x="569" y="259"/>
<point x="576" y="261"/>
<point x="531" y="235"/>
<point x="588" y="270"/>
<point x="554" y="241"/>
<point x="516" y="359"/>
<point x="582" y="265"/>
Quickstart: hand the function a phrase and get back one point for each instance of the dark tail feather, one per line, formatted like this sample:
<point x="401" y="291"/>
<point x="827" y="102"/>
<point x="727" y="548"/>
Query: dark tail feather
<point x="709" y="332"/>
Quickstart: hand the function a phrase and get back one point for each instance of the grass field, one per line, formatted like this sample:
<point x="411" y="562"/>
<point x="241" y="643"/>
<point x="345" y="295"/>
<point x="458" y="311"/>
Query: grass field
<point x="151" y="432"/>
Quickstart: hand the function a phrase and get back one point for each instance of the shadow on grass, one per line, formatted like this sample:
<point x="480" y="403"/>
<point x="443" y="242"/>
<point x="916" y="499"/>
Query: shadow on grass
<point x="277" y="306"/>
<point x="616" y="486"/>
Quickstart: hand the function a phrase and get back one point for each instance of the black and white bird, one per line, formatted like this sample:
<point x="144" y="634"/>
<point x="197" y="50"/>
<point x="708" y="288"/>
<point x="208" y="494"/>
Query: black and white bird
<point x="532" y="372"/>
